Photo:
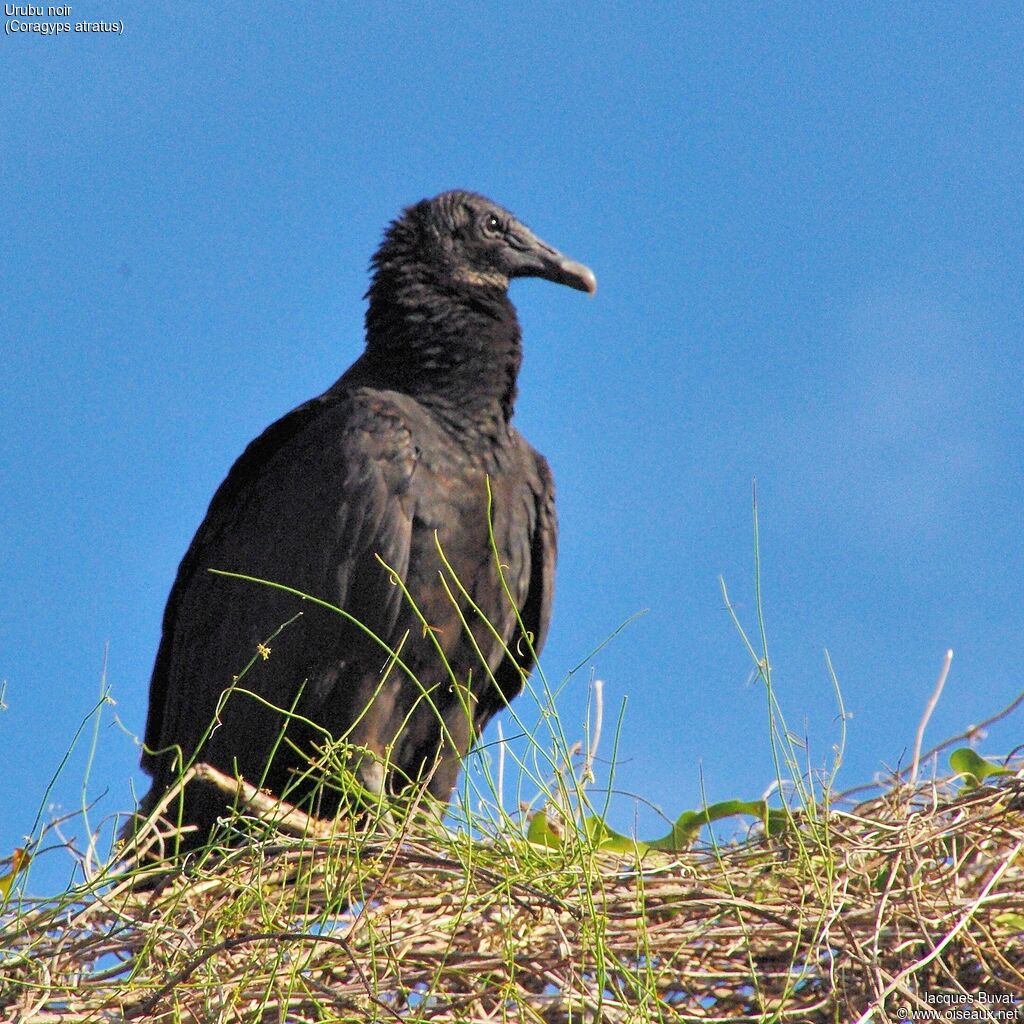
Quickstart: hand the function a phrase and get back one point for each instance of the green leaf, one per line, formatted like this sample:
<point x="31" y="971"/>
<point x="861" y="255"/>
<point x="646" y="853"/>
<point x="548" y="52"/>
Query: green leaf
<point x="973" y="767"/>
<point x="1009" y="921"/>
<point x="605" y="838"/>
<point x="542" y="833"/>
<point x="19" y="861"/>
<point x="683" y="835"/>
<point x="688" y="825"/>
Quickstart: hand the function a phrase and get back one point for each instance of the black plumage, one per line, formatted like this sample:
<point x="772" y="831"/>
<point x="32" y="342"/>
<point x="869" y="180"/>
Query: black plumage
<point x="392" y="464"/>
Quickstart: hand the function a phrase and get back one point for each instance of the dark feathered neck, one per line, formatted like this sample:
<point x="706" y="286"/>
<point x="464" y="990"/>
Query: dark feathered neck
<point x="454" y="345"/>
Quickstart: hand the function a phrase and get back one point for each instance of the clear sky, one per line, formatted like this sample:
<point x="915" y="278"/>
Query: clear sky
<point x="805" y="221"/>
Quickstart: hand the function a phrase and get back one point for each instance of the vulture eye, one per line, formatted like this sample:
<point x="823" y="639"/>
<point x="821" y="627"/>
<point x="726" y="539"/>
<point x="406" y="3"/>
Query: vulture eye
<point x="492" y="225"/>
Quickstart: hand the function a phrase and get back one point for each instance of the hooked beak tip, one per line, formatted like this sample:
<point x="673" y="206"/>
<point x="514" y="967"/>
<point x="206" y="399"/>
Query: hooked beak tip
<point x="577" y="276"/>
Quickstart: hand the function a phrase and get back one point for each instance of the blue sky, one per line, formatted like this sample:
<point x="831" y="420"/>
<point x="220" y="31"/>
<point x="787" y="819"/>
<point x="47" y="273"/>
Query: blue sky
<point x="806" y="226"/>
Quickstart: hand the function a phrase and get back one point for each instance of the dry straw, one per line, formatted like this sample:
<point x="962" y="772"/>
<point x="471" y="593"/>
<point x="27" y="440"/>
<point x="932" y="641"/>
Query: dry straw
<point x="913" y="899"/>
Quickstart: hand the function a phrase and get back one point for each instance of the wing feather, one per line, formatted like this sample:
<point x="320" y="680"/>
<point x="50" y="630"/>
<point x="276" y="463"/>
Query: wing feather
<point x="336" y="468"/>
<point x="535" y="609"/>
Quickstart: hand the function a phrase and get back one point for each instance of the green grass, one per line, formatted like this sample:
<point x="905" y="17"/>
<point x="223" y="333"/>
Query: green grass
<point x="521" y="901"/>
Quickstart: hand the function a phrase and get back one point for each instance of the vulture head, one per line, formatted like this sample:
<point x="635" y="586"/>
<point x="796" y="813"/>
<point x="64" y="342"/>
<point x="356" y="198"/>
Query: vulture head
<point x="461" y="241"/>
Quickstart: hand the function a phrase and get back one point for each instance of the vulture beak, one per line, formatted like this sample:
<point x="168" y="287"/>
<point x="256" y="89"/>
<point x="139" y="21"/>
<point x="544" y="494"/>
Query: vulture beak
<point x="533" y="258"/>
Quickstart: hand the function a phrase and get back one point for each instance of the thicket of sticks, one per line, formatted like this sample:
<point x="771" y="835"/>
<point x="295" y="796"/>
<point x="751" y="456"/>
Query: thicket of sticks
<point x="913" y="899"/>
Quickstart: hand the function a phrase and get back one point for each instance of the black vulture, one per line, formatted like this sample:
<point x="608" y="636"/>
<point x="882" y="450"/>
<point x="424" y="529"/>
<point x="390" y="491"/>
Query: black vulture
<point x="395" y="496"/>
